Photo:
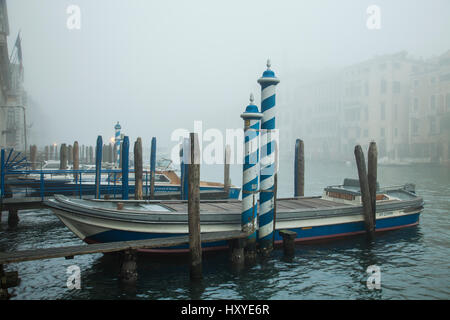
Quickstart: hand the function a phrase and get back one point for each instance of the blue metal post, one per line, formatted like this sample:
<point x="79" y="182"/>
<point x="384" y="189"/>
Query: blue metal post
<point x="42" y="186"/>
<point x="152" y="168"/>
<point x="250" y="173"/>
<point x="98" y="166"/>
<point x="125" y="164"/>
<point x="268" y="82"/>
<point x="185" y="164"/>
<point x="2" y="175"/>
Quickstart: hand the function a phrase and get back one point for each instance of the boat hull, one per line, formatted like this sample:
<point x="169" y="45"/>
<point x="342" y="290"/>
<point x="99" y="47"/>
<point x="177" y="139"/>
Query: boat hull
<point x="93" y="229"/>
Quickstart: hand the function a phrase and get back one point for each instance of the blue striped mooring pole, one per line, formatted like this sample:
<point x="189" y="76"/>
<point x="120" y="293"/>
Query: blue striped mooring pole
<point x="268" y="82"/>
<point x="117" y="128"/>
<point x="250" y="172"/>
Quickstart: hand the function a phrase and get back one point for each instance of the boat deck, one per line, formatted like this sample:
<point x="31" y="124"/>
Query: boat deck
<point x="225" y="206"/>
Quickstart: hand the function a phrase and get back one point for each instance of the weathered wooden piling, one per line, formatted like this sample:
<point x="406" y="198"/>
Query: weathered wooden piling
<point x="76" y="159"/>
<point x="195" y="248"/>
<point x="128" y="269"/>
<point x="70" y="154"/>
<point x="82" y="154"/>
<point x="52" y="152"/>
<point x="365" y="194"/>
<point x="372" y="160"/>
<point x="288" y="241"/>
<point x="237" y="251"/>
<point x="152" y="168"/>
<point x="13" y="218"/>
<point x="63" y="157"/>
<point x="46" y="153"/>
<point x="226" y="169"/>
<point x="299" y="169"/>
<point x="91" y="155"/>
<point x="33" y="156"/>
<point x="138" y="195"/>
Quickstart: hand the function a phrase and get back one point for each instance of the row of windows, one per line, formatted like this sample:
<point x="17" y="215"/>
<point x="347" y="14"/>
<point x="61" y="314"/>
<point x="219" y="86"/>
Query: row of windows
<point x="433" y="103"/>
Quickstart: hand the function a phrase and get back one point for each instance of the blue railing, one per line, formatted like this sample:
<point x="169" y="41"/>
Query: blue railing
<point x="44" y="183"/>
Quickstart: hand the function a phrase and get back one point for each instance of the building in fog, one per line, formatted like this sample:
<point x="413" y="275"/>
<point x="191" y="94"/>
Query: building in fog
<point x="12" y="95"/>
<point x="391" y="99"/>
<point x="429" y="118"/>
<point x="375" y="106"/>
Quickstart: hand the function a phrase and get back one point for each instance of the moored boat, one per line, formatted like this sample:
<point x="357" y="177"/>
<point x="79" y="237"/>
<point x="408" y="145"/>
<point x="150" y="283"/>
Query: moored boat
<point x="337" y="213"/>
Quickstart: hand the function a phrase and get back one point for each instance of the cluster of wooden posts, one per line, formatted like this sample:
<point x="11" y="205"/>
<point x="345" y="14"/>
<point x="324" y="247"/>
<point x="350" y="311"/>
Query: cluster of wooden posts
<point x="66" y="154"/>
<point x="237" y="242"/>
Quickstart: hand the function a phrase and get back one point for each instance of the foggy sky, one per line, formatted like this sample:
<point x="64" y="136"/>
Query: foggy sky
<point x="159" y="65"/>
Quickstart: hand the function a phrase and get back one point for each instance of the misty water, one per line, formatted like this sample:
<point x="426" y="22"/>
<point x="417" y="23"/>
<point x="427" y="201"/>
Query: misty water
<point x="414" y="262"/>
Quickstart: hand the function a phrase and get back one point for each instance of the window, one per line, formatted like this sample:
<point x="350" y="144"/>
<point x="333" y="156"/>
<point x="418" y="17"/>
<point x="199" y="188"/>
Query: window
<point x="383" y="86"/>
<point x="415" y="127"/>
<point x="396" y="132"/>
<point x="433" y="129"/>
<point x="383" y="111"/>
<point x="396" y="87"/>
<point x="416" y="104"/>
<point x="433" y="102"/>
<point x="382" y="132"/>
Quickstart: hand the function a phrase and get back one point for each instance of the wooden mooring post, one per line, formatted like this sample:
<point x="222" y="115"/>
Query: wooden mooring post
<point x="226" y="170"/>
<point x="7" y="280"/>
<point x="128" y="267"/>
<point x="63" y="157"/>
<point x="70" y="154"/>
<point x="299" y="169"/>
<point x="195" y="248"/>
<point x="76" y="159"/>
<point x="13" y="218"/>
<point x="33" y="156"/>
<point x="288" y="242"/>
<point x="365" y="193"/>
<point x="372" y="164"/>
<point x="138" y="195"/>
<point x="152" y="168"/>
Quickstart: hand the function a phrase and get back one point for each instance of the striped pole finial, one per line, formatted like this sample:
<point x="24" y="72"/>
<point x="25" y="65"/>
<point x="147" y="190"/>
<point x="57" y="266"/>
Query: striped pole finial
<point x="250" y="172"/>
<point x="268" y="82"/>
<point x="117" y="140"/>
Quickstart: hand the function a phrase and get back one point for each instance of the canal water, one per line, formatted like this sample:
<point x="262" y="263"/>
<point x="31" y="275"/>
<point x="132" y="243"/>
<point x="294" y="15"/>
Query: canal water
<point x="414" y="262"/>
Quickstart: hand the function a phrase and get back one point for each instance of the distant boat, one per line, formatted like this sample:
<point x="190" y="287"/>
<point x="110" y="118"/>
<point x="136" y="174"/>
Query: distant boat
<point x="337" y="213"/>
<point x="167" y="183"/>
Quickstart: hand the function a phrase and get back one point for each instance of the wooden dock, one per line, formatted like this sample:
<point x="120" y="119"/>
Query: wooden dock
<point x="70" y="251"/>
<point x="25" y="203"/>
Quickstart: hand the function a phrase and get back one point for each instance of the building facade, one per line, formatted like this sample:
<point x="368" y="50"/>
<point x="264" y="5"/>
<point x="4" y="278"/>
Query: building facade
<point x="399" y="102"/>
<point x="430" y="111"/>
